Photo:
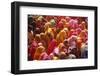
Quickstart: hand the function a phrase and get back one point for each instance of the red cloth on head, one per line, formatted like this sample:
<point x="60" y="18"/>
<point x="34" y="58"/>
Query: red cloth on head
<point x="51" y="46"/>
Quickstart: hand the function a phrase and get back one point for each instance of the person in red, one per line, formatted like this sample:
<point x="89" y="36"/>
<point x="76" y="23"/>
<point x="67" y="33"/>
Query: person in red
<point x="61" y="24"/>
<point x="73" y="24"/>
<point x="83" y="25"/>
<point x="71" y="32"/>
<point x="51" y="46"/>
<point x="33" y="46"/>
<point x="31" y="50"/>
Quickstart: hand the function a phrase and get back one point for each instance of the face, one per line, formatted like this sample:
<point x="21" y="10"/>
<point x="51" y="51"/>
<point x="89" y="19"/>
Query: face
<point x="42" y="36"/>
<point x="37" y="37"/>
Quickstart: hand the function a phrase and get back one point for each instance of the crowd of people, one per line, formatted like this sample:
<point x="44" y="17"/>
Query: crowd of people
<point x="57" y="37"/>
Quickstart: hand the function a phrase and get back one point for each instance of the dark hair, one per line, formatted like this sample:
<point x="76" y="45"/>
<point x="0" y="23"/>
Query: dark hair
<point x="31" y="21"/>
<point x="30" y="28"/>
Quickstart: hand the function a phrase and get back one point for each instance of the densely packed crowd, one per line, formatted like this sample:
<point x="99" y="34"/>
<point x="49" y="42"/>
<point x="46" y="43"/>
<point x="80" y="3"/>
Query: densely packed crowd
<point x="57" y="37"/>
